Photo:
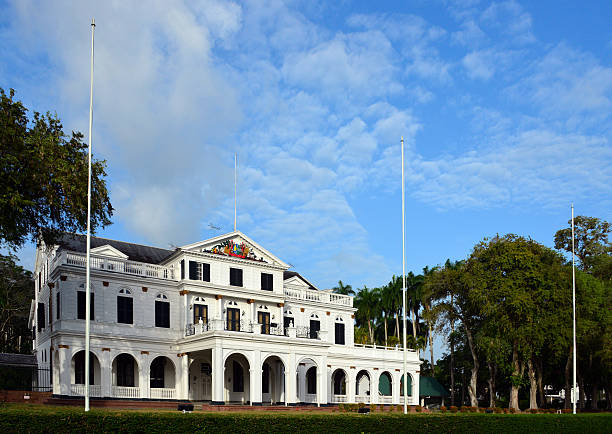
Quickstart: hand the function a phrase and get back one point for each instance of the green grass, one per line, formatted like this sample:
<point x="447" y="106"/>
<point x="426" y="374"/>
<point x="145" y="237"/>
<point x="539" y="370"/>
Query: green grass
<point x="33" y="418"/>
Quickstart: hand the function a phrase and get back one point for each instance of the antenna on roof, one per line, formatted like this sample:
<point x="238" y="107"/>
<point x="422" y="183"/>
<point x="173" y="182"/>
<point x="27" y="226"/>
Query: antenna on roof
<point x="235" y="183"/>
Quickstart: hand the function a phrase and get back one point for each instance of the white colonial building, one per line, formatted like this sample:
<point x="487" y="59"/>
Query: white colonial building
<point x="220" y="321"/>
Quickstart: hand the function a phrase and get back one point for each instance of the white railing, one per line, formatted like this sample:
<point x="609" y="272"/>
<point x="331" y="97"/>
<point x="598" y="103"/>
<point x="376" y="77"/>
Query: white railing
<point x="126" y="392"/>
<point x="339" y="398"/>
<point x="385" y="399"/>
<point x="382" y="347"/>
<point x="95" y="390"/>
<point x="318" y="296"/>
<point x="362" y="398"/>
<point x="310" y="397"/>
<point x="162" y="393"/>
<point x="116" y="265"/>
<point x="410" y="400"/>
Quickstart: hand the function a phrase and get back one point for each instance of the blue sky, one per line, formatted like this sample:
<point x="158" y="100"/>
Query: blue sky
<point x="505" y="108"/>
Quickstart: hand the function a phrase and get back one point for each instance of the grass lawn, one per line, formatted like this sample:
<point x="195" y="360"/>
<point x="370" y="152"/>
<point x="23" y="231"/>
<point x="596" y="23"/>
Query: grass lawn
<point x="39" y="418"/>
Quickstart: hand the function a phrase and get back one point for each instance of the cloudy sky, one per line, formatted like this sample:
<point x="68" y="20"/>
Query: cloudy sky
<point x="505" y="109"/>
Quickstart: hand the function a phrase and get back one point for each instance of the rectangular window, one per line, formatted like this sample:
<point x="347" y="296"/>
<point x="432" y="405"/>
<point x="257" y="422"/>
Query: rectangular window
<point x="339" y="333"/>
<point x="315" y="326"/>
<point x="200" y="312"/>
<point x="50" y="309"/>
<point x="205" y="272"/>
<point x="40" y="323"/>
<point x="182" y="269"/>
<point x="263" y="318"/>
<point x="193" y="270"/>
<point x="267" y="282"/>
<point x="162" y="314"/>
<point x="57" y="305"/>
<point x="235" y="277"/>
<point x="125" y="310"/>
<point x="81" y="306"/>
<point x="287" y="321"/>
<point x="233" y="319"/>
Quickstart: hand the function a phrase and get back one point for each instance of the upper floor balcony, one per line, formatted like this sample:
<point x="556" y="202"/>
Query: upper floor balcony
<point x="318" y="296"/>
<point x="114" y="265"/>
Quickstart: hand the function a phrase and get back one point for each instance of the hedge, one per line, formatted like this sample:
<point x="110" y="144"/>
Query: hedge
<point x="45" y="419"/>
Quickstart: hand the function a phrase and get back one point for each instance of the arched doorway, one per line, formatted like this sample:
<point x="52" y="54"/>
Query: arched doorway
<point x="306" y="377"/>
<point x="385" y="389"/>
<point x="125" y="377"/>
<point x="362" y="392"/>
<point x="408" y="385"/>
<point x="162" y="378"/>
<point x="339" y="386"/>
<point x="273" y="380"/>
<point x="77" y="376"/>
<point x="200" y="377"/>
<point x="237" y="379"/>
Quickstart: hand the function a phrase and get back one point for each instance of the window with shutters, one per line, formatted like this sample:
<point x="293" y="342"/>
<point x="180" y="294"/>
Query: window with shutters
<point x="315" y="327"/>
<point x="200" y="313"/>
<point x="57" y="305"/>
<point x="81" y="305"/>
<point x="182" y="269"/>
<point x="339" y="333"/>
<point x="263" y="318"/>
<point x="125" y="307"/>
<point x="235" y="277"/>
<point x="267" y="282"/>
<point x="199" y="271"/>
<point x="50" y="309"/>
<point x="162" y="311"/>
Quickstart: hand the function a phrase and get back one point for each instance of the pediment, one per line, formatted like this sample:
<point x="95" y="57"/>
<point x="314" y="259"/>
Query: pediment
<point x="296" y="281"/>
<point x="108" y="250"/>
<point x="236" y="245"/>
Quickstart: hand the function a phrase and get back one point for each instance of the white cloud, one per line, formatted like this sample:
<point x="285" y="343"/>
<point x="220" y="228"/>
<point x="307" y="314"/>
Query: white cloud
<point x="478" y="64"/>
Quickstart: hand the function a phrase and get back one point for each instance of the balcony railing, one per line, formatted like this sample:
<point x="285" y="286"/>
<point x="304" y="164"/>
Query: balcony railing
<point x="382" y="347"/>
<point x="114" y="265"/>
<point x="162" y="393"/>
<point x="95" y="390"/>
<point x="318" y="296"/>
<point x="339" y="398"/>
<point x="126" y="392"/>
<point x="362" y="398"/>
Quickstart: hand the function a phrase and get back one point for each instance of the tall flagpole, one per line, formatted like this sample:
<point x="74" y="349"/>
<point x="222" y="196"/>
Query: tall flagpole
<point x="235" y="184"/>
<point x="574" y="309"/>
<point x="404" y="284"/>
<point x="87" y="280"/>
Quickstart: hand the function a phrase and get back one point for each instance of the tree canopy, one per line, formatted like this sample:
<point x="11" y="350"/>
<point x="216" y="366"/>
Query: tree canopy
<point x="43" y="178"/>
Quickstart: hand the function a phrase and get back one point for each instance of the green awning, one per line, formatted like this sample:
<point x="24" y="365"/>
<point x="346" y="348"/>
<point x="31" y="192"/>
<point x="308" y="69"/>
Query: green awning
<point x="429" y="386"/>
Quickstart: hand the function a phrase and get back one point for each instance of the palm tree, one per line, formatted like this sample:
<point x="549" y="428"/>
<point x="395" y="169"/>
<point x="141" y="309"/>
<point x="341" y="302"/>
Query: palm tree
<point x="366" y="308"/>
<point x="387" y="304"/>
<point x="395" y="288"/>
<point x="343" y="289"/>
<point x="413" y="294"/>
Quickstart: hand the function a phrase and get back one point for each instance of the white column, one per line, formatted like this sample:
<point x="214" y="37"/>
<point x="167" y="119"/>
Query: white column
<point x="217" y="375"/>
<point x="183" y="386"/>
<point x="322" y="376"/>
<point x="64" y="370"/>
<point x="415" y="388"/>
<point x="374" y="386"/>
<point x="106" y="374"/>
<point x="220" y="308"/>
<point x="395" y="387"/>
<point x="144" y="375"/>
<point x="350" y="385"/>
<point x="290" y="386"/>
<point x="255" y="383"/>
<point x="254" y="314"/>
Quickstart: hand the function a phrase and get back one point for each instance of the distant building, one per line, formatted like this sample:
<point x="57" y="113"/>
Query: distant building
<point x="221" y="320"/>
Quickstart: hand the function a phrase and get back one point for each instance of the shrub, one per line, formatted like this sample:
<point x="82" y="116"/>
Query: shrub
<point x="533" y="411"/>
<point x="453" y="408"/>
<point x="464" y="409"/>
<point x="398" y="407"/>
<point x="498" y="410"/>
<point x="506" y="410"/>
<point x="473" y="409"/>
<point x="566" y="411"/>
<point x="360" y="405"/>
<point x="512" y="410"/>
<point x="419" y="408"/>
<point x="443" y="409"/>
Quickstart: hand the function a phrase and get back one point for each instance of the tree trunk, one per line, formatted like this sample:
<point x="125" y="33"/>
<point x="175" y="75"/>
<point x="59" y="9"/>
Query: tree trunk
<point x="397" y="329"/>
<point x="594" y="396"/>
<point x="412" y="320"/>
<point x="452" y="371"/>
<point x="491" y="381"/>
<point x="581" y="391"/>
<point x="385" y="319"/>
<point x="475" y="366"/>
<point x="533" y="385"/>
<point x="371" y="333"/>
<point x="431" y="352"/>
<point x="514" y="390"/>
<point x="539" y="374"/>
<point x="568" y="386"/>
<point x="608" y="390"/>
<point x="462" y="386"/>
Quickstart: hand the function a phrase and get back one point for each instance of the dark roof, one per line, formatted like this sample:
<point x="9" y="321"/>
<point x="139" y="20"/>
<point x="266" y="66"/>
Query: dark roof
<point x="290" y="274"/>
<point x="429" y="386"/>
<point x="135" y="252"/>
<point x="9" y="359"/>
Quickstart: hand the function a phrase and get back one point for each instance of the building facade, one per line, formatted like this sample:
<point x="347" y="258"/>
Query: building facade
<point x="220" y="321"/>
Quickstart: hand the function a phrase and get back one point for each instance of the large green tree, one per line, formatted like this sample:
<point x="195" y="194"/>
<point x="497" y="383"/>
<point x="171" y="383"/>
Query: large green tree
<point x="43" y="178"/>
<point x="590" y="240"/>
<point x="15" y="294"/>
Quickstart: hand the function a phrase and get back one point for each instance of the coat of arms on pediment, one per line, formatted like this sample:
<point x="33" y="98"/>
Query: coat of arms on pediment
<point x="236" y="249"/>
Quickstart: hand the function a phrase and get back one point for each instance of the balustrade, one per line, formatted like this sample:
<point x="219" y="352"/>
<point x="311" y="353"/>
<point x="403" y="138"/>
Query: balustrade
<point x="126" y="392"/>
<point x="162" y="393"/>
